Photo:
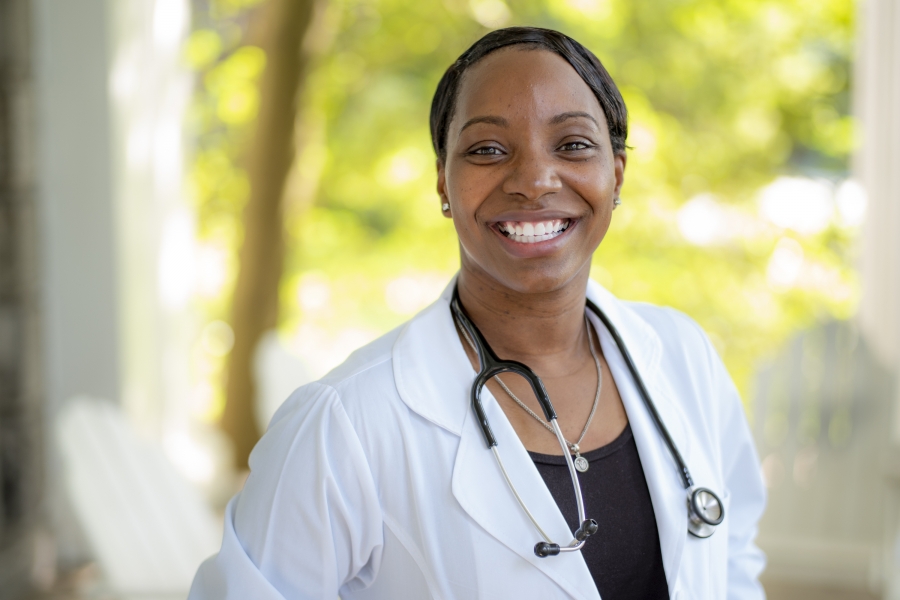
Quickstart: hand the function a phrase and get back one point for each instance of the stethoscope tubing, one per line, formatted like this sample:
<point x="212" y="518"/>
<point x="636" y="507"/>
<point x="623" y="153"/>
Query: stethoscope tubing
<point x="701" y="523"/>
<point x="575" y="544"/>
<point x="491" y="366"/>
<point x="683" y="471"/>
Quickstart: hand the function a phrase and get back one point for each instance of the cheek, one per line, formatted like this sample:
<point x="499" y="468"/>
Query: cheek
<point x="463" y="209"/>
<point x="467" y="192"/>
<point x="597" y="183"/>
<point x="467" y="186"/>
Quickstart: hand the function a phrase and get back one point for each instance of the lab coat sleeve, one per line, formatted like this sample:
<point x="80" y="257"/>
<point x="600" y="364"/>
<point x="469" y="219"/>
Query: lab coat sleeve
<point x="743" y="485"/>
<point x="308" y="523"/>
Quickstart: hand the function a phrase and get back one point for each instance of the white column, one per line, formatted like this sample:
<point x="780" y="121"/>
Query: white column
<point x="877" y="98"/>
<point x="74" y="199"/>
<point x="877" y="165"/>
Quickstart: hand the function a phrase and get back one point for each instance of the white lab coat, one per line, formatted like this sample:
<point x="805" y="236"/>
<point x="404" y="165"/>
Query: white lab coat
<point x="376" y="483"/>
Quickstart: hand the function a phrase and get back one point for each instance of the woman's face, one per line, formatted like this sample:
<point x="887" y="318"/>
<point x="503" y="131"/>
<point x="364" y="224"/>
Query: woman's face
<point x="530" y="174"/>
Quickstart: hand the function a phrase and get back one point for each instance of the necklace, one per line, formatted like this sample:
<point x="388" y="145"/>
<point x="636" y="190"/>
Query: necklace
<point x="581" y="463"/>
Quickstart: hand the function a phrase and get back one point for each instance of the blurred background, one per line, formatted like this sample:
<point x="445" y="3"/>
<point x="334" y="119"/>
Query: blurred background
<point x="207" y="203"/>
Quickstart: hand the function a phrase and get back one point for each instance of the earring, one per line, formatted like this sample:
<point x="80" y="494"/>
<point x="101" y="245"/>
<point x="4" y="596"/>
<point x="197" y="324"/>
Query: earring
<point x="445" y="206"/>
<point x="616" y="202"/>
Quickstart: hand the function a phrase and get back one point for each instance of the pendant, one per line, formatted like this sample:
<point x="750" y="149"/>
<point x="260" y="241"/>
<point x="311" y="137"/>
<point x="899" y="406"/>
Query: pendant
<point x="581" y="463"/>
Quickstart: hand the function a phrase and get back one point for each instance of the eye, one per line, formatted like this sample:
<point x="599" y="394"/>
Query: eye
<point x="575" y="146"/>
<point x="486" y="151"/>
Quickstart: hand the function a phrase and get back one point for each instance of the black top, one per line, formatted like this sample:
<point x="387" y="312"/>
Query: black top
<point x="623" y="556"/>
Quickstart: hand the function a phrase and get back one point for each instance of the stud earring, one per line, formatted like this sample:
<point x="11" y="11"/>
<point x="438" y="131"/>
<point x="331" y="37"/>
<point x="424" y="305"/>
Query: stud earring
<point x="445" y="206"/>
<point x="616" y="202"/>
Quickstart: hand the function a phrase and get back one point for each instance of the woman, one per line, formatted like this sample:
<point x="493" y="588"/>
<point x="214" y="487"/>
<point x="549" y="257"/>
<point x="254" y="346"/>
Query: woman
<point x="377" y="482"/>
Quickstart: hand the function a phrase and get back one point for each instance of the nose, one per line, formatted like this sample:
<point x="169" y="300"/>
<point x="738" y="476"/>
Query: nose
<point x="532" y="175"/>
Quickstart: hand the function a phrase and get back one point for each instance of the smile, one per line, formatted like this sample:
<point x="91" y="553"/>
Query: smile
<point x="527" y="232"/>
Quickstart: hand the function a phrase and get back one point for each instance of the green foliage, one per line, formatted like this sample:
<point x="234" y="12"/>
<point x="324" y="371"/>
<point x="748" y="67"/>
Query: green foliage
<point x="724" y="96"/>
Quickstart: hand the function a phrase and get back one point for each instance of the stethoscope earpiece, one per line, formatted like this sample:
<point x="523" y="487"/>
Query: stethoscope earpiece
<point x="545" y="549"/>
<point x="587" y="529"/>
<point x="705" y="511"/>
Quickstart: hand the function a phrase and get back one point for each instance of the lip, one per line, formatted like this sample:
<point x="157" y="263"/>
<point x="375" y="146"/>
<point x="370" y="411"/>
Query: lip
<point x="537" y="249"/>
<point x="532" y="216"/>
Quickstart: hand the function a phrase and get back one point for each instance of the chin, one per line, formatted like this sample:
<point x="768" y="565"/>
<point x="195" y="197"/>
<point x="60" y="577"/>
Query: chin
<point x="540" y="279"/>
<point x="535" y="275"/>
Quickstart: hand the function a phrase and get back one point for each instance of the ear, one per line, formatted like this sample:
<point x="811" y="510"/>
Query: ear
<point x="442" y="187"/>
<point x="619" y="164"/>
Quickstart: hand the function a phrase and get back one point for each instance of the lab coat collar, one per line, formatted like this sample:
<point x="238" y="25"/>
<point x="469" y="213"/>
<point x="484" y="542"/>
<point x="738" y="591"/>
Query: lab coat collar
<point x="434" y="378"/>
<point x="431" y="370"/>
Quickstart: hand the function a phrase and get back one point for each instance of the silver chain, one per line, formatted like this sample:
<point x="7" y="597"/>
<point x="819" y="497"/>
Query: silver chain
<point x="575" y="447"/>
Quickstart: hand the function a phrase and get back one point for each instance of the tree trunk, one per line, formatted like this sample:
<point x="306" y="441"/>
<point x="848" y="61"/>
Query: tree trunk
<point x="282" y="27"/>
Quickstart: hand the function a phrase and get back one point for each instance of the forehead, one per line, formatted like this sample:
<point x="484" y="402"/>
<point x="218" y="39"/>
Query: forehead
<point x="520" y="82"/>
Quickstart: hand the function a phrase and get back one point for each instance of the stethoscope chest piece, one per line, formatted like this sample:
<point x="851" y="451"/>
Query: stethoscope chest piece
<point x="705" y="512"/>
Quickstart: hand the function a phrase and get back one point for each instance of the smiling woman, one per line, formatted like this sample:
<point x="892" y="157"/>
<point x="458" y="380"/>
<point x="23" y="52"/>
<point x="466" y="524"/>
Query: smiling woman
<point x="403" y="473"/>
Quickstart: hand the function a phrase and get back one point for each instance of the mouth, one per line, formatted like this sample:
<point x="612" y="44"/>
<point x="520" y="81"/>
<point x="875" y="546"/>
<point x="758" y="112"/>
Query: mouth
<point x="533" y="232"/>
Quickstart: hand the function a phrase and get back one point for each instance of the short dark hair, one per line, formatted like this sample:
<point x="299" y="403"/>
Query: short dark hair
<point x="588" y="67"/>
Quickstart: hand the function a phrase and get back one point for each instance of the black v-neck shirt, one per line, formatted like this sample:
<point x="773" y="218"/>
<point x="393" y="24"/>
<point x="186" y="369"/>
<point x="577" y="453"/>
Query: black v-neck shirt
<point x="623" y="557"/>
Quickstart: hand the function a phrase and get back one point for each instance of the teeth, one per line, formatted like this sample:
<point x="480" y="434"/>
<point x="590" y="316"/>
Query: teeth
<point x="529" y="233"/>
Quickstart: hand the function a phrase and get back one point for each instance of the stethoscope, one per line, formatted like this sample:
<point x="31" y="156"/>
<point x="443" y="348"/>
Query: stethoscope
<point x="705" y="509"/>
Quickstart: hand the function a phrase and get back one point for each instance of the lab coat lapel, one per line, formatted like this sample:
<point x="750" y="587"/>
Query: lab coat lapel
<point x="666" y="490"/>
<point x="482" y="491"/>
<point x="434" y="378"/>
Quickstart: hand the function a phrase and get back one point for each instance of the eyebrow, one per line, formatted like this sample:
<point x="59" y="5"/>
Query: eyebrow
<point x="500" y="121"/>
<point x="490" y="119"/>
<point x="572" y="115"/>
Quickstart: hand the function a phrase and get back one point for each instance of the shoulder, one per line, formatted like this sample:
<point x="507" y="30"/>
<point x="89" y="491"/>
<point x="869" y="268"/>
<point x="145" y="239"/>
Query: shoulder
<point x="328" y="425"/>
<point x="692" y="368"/>
<point x="663" y="341"/>
<point x="371" y="360"/>
<point x="653" y="324"/>
<point x="687" y="357"/>
<point x="368" y="369"/>
<point x="677" y="331"/>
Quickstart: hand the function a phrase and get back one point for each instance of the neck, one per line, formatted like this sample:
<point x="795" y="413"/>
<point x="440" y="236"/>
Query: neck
<point x="540" y="329"/>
